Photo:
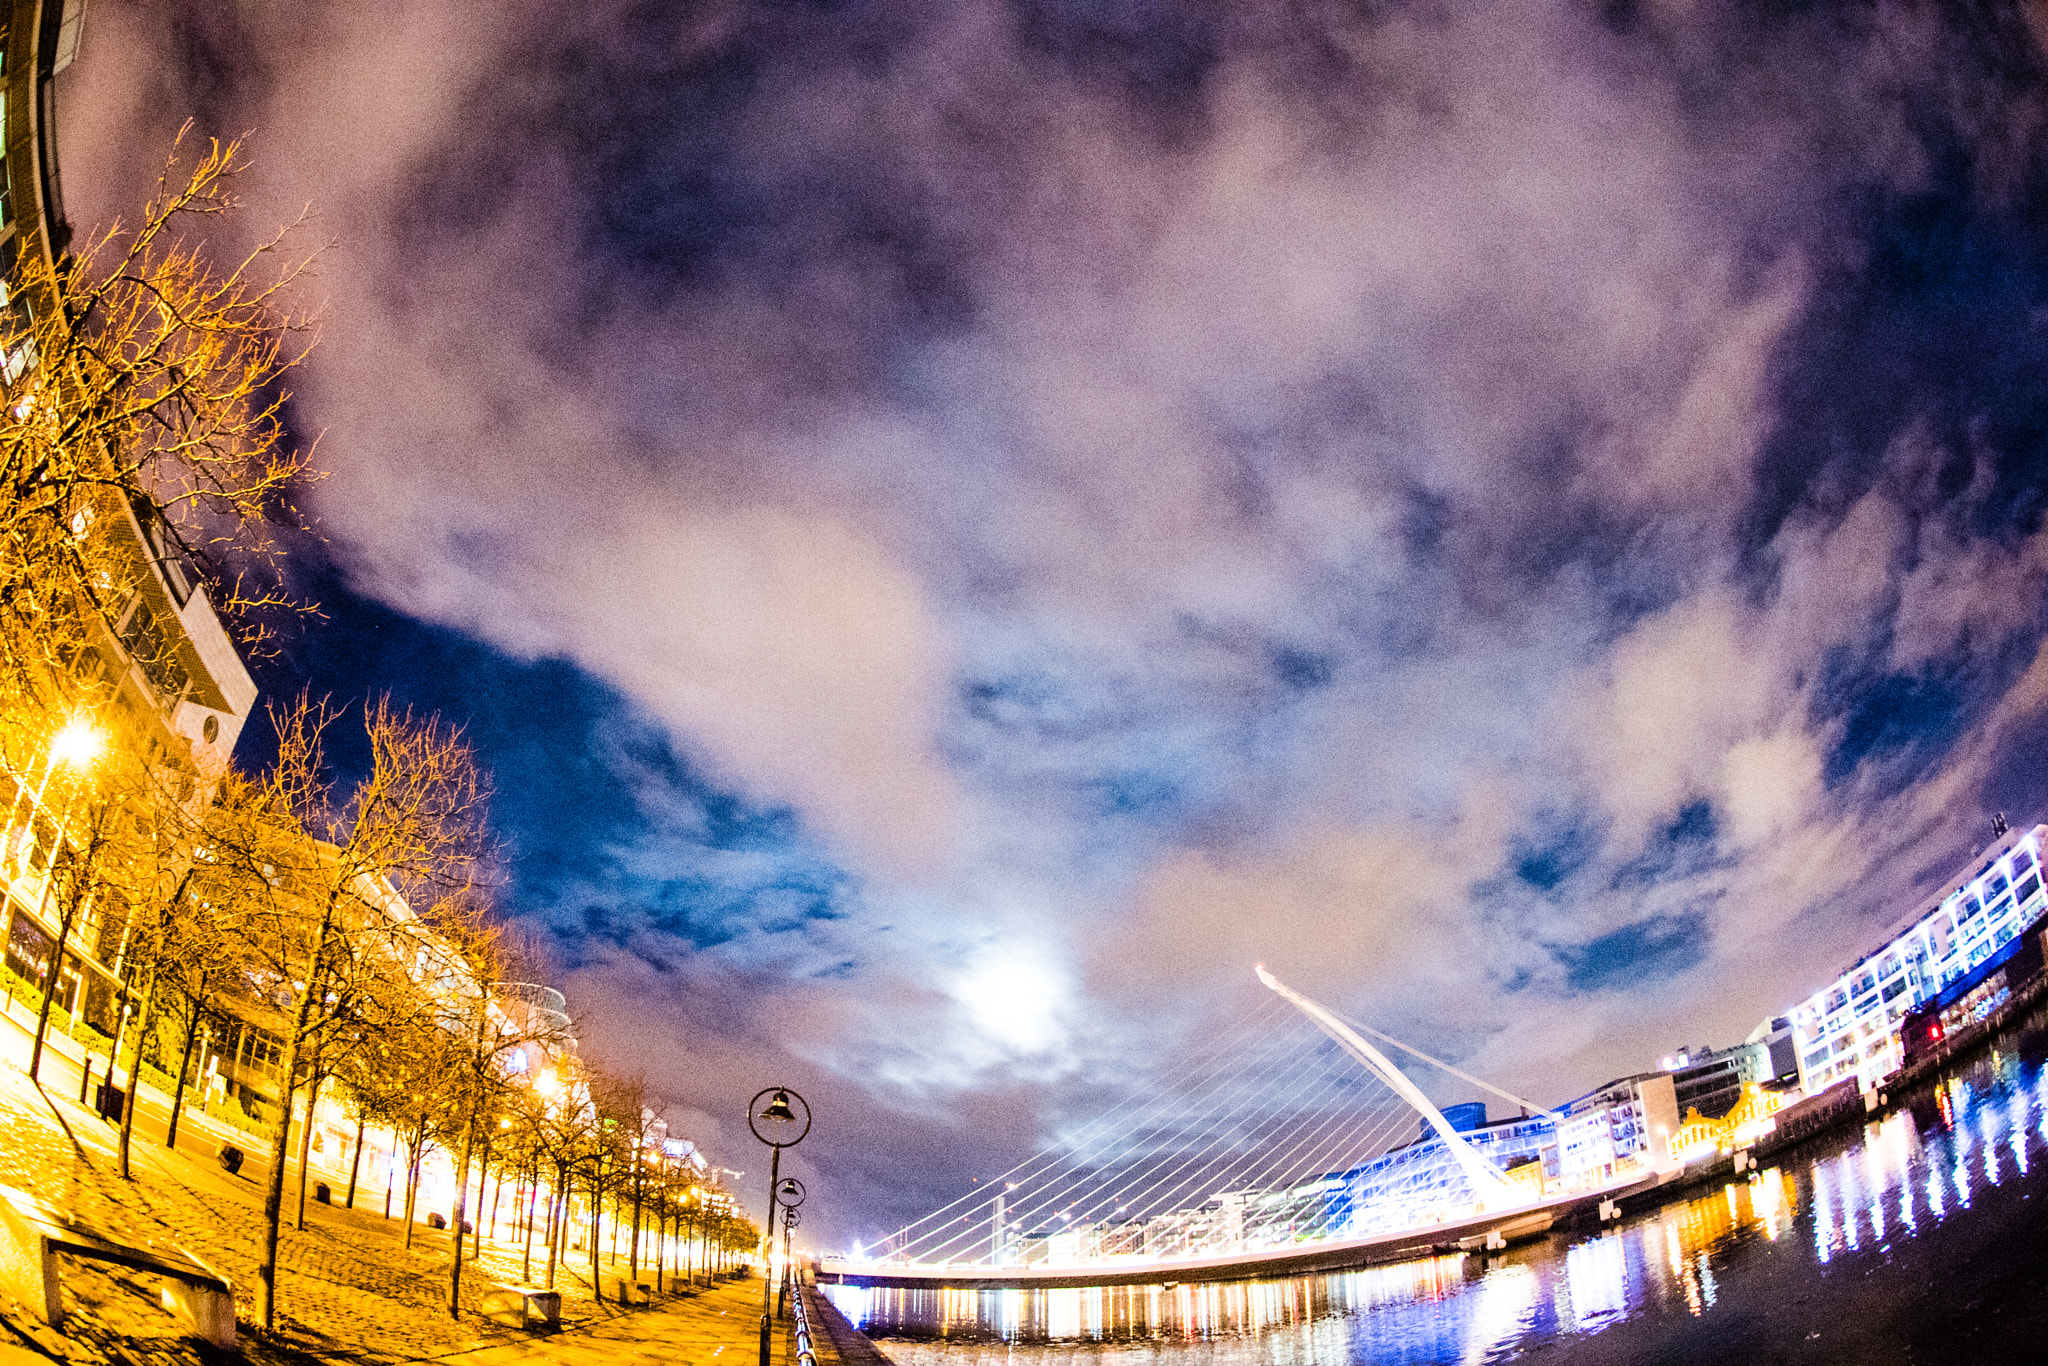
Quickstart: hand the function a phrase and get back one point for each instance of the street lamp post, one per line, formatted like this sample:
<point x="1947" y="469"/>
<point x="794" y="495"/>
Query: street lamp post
<point x="75" y="746"/>
<point x="789" y="1193"/>
<point x="783" y="1122"/>
<point x="790" y="1220"/>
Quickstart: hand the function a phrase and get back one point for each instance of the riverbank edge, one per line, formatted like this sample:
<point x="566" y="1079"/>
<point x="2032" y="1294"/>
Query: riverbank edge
<point x="1812" y="1119"/>
<point x="1842" y="1105"/>
<point x="848" y="1343"/>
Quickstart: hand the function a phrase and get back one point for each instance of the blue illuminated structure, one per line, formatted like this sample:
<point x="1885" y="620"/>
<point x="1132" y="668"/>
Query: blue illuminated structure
<point x="1851" y="1027"/>
<point x="1412" y="1184"/>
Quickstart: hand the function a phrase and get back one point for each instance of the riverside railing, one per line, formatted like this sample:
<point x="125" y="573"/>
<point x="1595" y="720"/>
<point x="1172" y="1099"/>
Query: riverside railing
<point x="805" y="1356"/>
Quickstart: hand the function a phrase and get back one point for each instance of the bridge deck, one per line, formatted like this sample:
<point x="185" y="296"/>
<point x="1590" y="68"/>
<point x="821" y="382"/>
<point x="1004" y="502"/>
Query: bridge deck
<point x="1401" y="1245"/>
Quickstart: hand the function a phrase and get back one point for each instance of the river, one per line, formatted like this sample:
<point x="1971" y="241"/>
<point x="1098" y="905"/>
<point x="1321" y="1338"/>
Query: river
<point x="1913" y="1238"/>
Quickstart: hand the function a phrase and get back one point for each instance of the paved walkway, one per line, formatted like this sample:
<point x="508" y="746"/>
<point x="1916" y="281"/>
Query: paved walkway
<point x="349" y="1288"/>
<point x="200" y="1135"/>
<point x="720" y="1326"/>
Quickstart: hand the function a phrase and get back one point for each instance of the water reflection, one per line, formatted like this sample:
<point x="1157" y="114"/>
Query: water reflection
<point x="1872" y="1191"/>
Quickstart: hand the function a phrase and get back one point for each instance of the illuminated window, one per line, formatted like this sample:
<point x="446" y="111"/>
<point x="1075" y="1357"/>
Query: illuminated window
<point x="163" y="548"/>
<point x="145" y="641"/>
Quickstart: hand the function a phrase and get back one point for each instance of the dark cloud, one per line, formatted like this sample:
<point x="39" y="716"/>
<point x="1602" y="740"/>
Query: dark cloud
<point x="963" y="527"/>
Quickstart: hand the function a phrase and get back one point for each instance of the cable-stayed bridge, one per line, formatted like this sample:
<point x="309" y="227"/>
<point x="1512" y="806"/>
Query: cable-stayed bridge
<point x="1288" y="1142"/>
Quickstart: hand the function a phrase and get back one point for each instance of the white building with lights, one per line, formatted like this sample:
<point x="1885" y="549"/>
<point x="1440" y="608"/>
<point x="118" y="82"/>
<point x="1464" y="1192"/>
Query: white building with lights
<point x="1850" y="1027"/>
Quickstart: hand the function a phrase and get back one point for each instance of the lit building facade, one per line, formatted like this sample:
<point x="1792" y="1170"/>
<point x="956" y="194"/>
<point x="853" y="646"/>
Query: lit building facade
<point x="1850" y="1028"/>
<point x="1617" y="1129"/>
<point x="1421" y="1182"/>
<point x="167" y="675"/>
<point x="38" y="40"/>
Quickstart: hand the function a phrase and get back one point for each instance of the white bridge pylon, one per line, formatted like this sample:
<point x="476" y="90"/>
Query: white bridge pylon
<point x="1491" y="1189"/>
<point x="1256" y="1140"/>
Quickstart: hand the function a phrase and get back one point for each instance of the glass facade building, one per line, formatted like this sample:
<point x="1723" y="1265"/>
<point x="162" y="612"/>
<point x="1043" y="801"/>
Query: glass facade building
<point x="1421" y="1182"/>
<point x="1850" y="1028"/>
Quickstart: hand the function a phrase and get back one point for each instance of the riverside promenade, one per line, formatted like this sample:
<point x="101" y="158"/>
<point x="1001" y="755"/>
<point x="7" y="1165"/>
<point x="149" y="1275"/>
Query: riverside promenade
<point x="349" y="1288"/>
<point x="720" y="1326"/>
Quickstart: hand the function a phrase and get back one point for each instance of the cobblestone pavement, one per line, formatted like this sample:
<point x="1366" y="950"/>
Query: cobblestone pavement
<point x="348" y="1287"/>
<point x="719" y="1327"/>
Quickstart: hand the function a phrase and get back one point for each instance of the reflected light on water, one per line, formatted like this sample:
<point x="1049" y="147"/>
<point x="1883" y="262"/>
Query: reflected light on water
<point x="1882" y="1185"/>
<point x="1597" y="1273"/>
<point x="1823" y="1214"/>
<point x="1767" y="1200"/>
<point x="1503" y="1301"/>
<point x="2016" y="1128"/>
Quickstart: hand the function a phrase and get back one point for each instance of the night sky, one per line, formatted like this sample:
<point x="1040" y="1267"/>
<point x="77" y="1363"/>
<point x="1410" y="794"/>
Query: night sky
<point x="960" y="528"/>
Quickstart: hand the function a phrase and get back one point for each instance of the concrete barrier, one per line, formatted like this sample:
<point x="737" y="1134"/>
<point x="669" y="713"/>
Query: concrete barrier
<point x="523" y="1306"/>
<point x="33" y="1236"/>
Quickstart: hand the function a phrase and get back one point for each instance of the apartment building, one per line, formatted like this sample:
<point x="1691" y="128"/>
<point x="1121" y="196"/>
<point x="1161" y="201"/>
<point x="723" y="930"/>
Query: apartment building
<point x="1851" y="1026"/>
<point x="166" y="674"/>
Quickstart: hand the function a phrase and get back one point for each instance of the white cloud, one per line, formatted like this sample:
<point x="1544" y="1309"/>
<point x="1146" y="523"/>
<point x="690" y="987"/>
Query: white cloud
<point x="1224" y="530"/>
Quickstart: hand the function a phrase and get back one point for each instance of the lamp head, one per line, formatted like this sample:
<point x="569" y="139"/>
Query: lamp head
<point x="783" y="1121"/>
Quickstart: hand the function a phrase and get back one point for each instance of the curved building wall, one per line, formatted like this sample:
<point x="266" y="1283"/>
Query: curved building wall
<point x="193" y="698"/>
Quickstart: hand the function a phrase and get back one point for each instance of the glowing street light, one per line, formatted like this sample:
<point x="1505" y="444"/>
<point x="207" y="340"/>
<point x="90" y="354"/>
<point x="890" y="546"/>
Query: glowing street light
<point x="78" y="744"/>
<point x="786" y="1129"/>
<point x="75" y="747"/>
<point x="789" y="1193"/>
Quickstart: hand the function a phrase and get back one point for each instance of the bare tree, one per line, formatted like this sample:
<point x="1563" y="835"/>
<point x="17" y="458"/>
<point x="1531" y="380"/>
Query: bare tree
<point x="167" y="922"/>
<point x="647" y="1129"/>
<point x="143" y="381"/>
<point x="211" y="959"/>
<point x="608" y="1150"/>
<point x="425" y="1062"/>
<point x="567" y="1131"/>
<point x="491" y="1033"/>
<point x="350" y="860"/>
<point x="95" y="842"/>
